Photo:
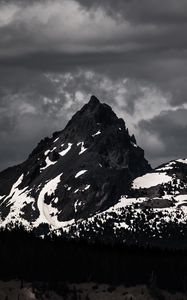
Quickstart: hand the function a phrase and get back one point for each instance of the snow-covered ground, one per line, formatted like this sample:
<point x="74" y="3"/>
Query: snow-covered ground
<point x="16" y="199"/>
<point x="183" y="161"/>
<point x="174" y="204"/>
<point x="45" y="213"/>
<point x="151" y="179"/>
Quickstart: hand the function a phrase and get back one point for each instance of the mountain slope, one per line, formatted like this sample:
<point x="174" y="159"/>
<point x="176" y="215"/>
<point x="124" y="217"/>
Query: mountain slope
<point x="154" y="212"/>
<point x="79" y="172"/>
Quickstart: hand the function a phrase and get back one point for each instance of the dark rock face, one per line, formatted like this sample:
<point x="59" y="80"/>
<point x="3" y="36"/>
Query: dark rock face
<point x="95" y="158"/>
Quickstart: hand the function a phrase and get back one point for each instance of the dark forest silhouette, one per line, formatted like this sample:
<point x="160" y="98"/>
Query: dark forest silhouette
<point x="57" y="259"/>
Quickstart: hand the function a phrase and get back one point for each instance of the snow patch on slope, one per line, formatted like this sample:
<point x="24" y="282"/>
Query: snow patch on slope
<point x="97" y="133"/>
<point x="56" y="140"/>
<point x="123" y="202"/>
<point x="48" y="163"/>
<point x="151" y="179"/>
<point x="77" y="204"/>
<point x="80" y="173"/>
<point x="18" y="199"/>
<point x="171" y="164"/>
<point x="83" y="149"/>
<point x="183" y="161"/>
<point x="48" y="189"/>
<point x="86" y="187"/>
<point x="64" y="152"/>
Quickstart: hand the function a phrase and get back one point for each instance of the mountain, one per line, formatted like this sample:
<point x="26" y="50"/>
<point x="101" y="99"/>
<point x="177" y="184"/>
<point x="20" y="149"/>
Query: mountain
<point x="91" y="181"/>
<point x="79" y="172"/>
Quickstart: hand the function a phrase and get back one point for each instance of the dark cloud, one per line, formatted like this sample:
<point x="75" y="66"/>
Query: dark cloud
<point x="170" y="128"/>
<point x="55" y="54"/>
<point x="152" y="11"/>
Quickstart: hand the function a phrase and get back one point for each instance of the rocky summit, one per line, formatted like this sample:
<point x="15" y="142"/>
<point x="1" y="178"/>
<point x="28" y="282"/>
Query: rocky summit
<point x="77" y="173"/>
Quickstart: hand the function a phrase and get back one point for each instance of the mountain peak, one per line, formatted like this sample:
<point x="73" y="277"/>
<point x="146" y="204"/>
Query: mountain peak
<point x="90" y="116"/>
<point x="94" y="101"/>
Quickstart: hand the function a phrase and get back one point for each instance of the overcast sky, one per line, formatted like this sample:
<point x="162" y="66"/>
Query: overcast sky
<point x="131" y="54"/>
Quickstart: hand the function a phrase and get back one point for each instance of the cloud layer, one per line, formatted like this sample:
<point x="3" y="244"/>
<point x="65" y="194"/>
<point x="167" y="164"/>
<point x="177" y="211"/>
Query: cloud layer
<point x="55" y="54"/>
